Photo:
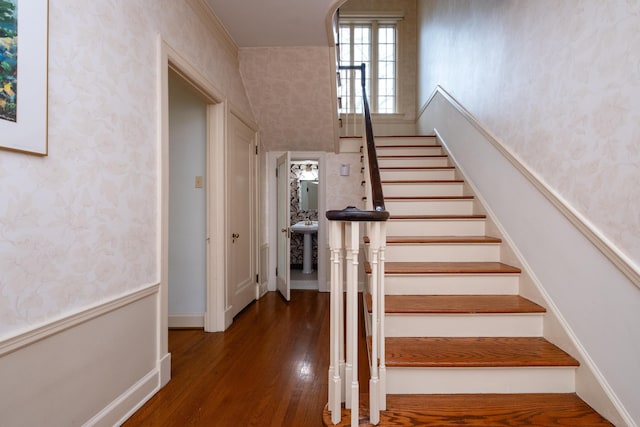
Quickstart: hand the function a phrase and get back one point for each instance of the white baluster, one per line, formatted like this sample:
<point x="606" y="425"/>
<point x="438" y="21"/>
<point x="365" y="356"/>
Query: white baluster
<point x="335" y="386"/>
<point x="382" y="386"/>
<point x="374" y="401"/>
<point x="353" y="243"/>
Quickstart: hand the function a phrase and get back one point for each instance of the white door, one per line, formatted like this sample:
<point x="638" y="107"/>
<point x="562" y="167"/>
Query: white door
<point x="241" y="214"/>
<point x="283" y="281"/>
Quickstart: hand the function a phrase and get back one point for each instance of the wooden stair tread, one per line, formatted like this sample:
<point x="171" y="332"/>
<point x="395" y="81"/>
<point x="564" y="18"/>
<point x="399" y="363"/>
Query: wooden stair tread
<point x="457" y="304"/>
<point x="409" y="146"/>
<point x="429" y="198"/>
<point x="423" y="181"/>
<point x="441" y="239"/>
<point x="417" y="240"/>
<point x="428" y="217"/>
<point x="412" y="156"/>
<point x="445" y="268"/>
<point x="478" y="410"/>
<point x="417" y="168"/>
<point x="491" y="352"/>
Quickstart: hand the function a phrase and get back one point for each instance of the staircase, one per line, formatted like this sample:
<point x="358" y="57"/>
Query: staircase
<point x="462" y="347"/>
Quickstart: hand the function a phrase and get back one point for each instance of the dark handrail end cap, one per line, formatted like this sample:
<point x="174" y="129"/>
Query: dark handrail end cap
<point x="351" y="213"/>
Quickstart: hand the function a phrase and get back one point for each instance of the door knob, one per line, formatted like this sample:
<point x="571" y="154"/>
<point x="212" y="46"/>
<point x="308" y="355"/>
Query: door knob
<point x="284" y="230"/>
<point x="234" y="237"/>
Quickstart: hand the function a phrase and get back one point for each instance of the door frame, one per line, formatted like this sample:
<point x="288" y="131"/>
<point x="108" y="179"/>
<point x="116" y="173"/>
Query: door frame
<point x="215" y="196"/>
<point x="272" y="160"/>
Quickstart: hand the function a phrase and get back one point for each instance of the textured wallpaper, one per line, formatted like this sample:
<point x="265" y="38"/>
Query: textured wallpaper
<point x="290" y="92"/>
<point x="79" y="227"/>
<point x="558" y="82"/>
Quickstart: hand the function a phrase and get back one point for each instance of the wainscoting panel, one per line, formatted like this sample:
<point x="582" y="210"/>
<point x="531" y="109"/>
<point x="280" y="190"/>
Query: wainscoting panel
<point x="94" y="371"/>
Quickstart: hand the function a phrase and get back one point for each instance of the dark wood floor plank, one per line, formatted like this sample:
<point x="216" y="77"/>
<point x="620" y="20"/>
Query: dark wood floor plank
<point x="268" y="369"/>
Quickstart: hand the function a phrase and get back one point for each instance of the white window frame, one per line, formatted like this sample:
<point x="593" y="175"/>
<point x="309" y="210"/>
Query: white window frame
<point x="374" y="22"/>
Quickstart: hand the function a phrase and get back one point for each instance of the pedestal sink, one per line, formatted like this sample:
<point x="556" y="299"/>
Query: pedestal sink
<point x="307" y="230"/>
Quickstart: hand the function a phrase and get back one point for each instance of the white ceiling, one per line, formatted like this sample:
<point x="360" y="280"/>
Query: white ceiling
<point x="262" y="23"/>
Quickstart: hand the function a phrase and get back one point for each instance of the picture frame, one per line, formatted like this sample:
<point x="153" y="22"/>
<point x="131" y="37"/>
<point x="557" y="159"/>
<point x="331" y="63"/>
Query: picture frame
<point x="24" y="76"/>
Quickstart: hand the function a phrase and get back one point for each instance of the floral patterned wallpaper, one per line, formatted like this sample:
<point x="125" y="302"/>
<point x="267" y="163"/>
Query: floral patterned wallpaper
<point x="80" y="226"/>
<point x="297" y="214"/>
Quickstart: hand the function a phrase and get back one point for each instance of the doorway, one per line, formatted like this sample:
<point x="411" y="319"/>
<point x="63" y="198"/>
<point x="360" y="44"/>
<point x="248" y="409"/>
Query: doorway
<point x="304" y="180"/>
<point x="187" y="204"/>
<point x="300" y="197"/>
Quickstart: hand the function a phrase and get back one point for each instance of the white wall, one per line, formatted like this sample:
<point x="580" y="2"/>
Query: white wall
<point x="187" y="204"/>
<point x="558" y="86"/>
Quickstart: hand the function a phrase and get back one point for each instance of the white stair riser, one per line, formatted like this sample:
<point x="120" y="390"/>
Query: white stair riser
<point x="442" y="252"/>
<point x="436" y="227"/>
<point x="399" y="140"/>
<point x="417" y="174"/>
<point x="480" y="380"/>
<point x="409" y="151"/>
<point x="423" y="189"/>
<point x="430" y="207"/>
<point x="451" y="284"/>
<point x="413" y="162"/>
<point x="464" y="325"/>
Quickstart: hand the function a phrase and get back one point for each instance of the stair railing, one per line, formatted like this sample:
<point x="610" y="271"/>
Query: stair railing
<point x="344" y="237"/>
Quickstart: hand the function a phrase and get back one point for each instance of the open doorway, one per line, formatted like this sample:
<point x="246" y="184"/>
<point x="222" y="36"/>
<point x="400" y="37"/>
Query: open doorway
<point x="187" y="204"/>
<point x="304" y="179"/>
<point x="297" y="207"/>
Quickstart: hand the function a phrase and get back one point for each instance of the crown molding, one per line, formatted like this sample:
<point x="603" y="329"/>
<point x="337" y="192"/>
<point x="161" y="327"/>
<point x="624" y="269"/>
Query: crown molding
<point x="215" y="25"/>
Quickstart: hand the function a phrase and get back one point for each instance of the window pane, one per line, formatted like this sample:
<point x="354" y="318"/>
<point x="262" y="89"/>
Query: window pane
<point x="386" y="69"/>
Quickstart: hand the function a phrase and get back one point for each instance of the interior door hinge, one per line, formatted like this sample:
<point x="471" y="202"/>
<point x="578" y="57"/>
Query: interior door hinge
<point x="256" y="149"/>
<point x="276" y="271"/>
<point x="257" y="278"/>
<point x="276" y="172"/>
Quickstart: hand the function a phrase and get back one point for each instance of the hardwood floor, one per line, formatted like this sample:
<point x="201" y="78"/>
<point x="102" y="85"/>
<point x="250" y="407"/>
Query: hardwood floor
<point x="268" y="369"/>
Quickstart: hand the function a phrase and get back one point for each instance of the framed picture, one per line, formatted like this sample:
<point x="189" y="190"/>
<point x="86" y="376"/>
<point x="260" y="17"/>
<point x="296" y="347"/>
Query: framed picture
<point x="23" y="75"/>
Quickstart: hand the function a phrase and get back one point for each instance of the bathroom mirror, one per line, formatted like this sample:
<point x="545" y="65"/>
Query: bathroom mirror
<point x="308" y="195"/>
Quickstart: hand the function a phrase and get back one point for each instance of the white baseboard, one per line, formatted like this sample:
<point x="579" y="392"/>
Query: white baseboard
<point x="118" y="411"/>
<point x="165" y="369"/>
<point x="186" y="320"/>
